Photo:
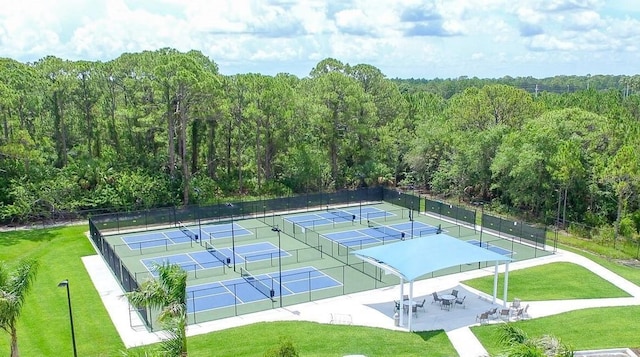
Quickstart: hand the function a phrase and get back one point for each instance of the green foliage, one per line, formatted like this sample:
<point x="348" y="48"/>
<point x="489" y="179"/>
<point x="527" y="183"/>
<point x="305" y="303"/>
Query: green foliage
<point x="627" y="227"/>
<point x="163" y="127"/>
<point x="604" y="235"/>
<point x="175" y="344"/>
<point x="518" y="344"/>
<point x="510" y="335"/>
<point x="15" y="284"/>
<point x="167" y="293"/>
<point x="284" y="349"/>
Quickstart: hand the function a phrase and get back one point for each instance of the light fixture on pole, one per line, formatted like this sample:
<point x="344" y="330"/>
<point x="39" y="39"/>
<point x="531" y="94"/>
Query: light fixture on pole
<point x="277" y="229"/>
<point x="65" y="284"/>
<point x="481" y="204"/>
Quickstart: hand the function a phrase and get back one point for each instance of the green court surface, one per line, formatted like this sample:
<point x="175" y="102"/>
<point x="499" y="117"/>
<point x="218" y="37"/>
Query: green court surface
<point x="289" y="258"/>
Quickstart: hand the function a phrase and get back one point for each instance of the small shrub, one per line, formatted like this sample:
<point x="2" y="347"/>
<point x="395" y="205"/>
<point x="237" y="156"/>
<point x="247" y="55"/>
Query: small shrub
<point x="285" y="349"/>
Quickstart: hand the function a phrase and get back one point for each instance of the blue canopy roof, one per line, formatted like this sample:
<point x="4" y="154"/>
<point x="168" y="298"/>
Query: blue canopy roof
<point x="416" y="257"/>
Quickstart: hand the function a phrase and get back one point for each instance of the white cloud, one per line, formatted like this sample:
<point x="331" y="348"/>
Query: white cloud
<point x="584" y="20"/>
<point x="353" y="21"/>
<point x="410" y="38"/>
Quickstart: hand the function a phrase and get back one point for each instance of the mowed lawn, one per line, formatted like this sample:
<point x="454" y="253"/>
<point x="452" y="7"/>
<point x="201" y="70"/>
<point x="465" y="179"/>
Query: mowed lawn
<point x="597" y="328"/>
<point x="587" y="329"/>
<point x="553" y="281"/>
<point x="314" y="339"/>
<point x="43" y="327"/>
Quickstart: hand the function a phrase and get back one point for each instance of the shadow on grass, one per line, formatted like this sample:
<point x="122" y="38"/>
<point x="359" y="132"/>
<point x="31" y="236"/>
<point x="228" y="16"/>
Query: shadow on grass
<point x="428" y="335"/>
<point x="10" y="238"/>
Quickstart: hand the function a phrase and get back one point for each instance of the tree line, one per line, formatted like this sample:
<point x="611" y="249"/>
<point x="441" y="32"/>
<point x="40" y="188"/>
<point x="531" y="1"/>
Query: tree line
<point x="164" y="127"/>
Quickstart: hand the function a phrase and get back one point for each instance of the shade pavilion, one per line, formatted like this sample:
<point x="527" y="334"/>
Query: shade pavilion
<point x="413" y="258"/>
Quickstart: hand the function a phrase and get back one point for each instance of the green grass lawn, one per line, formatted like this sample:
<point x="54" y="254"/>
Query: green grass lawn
<point x="554" y="281"/>
<point x="314" y="339"/>
<point x="43" y="327"/>
<point x="629" y="272"/>
<point x="601" y="328"/>
<point x="597" y="328"/>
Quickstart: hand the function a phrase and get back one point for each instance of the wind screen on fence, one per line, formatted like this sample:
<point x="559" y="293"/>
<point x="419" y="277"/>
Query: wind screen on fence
<point x="170" y="216"/>
<point x="514" y="229"/>
<point x="122" y="274"/>
<point x="456" y="213"/>
<point x="536" y="235"/>
<point x="402" y="199"/>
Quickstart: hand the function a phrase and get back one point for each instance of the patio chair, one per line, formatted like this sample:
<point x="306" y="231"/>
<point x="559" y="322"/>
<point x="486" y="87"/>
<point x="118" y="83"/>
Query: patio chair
<point x="461" y="301"/>
<point x="505" y="314"/>
<point x="519" y="313"/>
<point x="414" y="310"/>
<point x="525" y="313"/>
<point x="446" y="304"/>
<point x="397" y="306"/>
<point x="493" y="313"/>
<point x="436" y="298"/>
<point x="454" y="292"/>
<point x="515" y="304"/>
<point x="405" y="297"/>
<point x="483" y="317"/>
<point x="421" y="305"/>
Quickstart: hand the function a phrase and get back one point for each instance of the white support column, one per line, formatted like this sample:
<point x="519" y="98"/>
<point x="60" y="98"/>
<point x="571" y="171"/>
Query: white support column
<point x="495" y="282"/>
<point x="410" y="307"/>
<point x="506" y="282"/>
<point x="401" y="312"/>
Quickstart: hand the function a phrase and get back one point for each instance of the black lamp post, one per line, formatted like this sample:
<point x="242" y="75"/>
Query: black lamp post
<point x="65" y="284"/>
<point x="481" y="204"/>
<point x="277" y="229"/>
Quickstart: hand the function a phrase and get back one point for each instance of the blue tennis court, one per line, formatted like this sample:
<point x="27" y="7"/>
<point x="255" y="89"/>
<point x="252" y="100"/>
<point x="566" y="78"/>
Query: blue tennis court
<point x="491" y="247"/>
<point x="177" y="236"/>
<point x="238" y="291"/>
<point x="333" y="216"/>
<point x="155" y="239"/>
<point x="225" y="230"/>
<point x="206" y="260"/>
<point x="382" y="234"/>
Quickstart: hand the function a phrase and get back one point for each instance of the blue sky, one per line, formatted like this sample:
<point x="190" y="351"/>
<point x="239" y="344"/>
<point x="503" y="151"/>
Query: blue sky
<point x="405" y="38"/>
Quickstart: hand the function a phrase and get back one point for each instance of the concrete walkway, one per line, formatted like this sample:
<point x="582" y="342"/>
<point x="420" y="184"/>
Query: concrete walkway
<point x="372" y="308"/>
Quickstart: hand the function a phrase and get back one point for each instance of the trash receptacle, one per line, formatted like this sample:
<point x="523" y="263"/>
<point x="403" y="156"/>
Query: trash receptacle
<point x="396" y="319"/>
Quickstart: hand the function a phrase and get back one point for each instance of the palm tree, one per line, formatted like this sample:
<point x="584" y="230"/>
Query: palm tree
<point x="14" y="286"/>
<point x="167" y="293"/>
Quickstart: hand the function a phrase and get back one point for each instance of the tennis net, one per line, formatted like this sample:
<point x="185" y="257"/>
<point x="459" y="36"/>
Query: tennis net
<point x="382" y="231"/>
<point x="259" y="285"/>
<point x="429" y="231"/>
<point x="187" y="232"/>
<point x="344" y="215"/>
<point x="216" y="254"/>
